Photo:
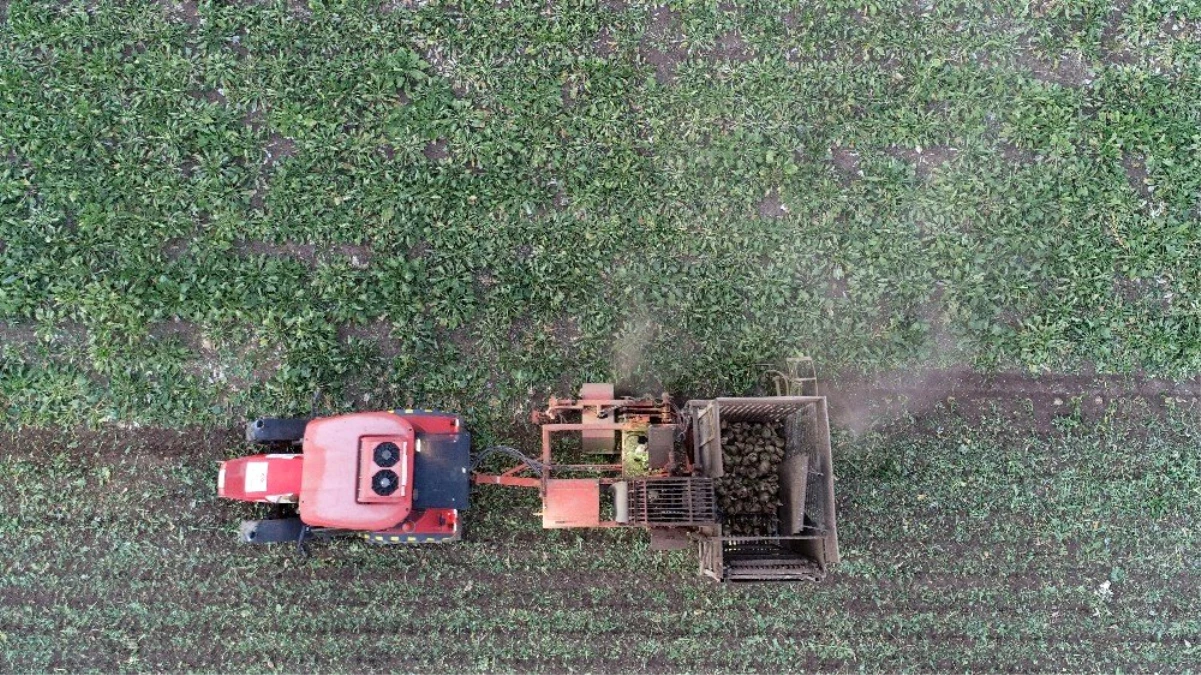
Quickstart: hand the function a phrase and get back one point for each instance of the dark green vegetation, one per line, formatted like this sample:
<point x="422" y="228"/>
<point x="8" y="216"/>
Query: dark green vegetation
<point x="213" y="210"/>
<point x="965" y="546"/>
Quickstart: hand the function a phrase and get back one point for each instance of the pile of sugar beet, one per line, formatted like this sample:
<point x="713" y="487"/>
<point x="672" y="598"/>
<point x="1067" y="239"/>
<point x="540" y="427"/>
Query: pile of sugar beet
<point x="749" y="492"/>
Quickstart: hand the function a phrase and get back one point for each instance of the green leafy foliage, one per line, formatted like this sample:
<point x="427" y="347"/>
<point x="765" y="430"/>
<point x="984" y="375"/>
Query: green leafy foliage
<point x="342" y="199"/>
<point x="214" y="210"/>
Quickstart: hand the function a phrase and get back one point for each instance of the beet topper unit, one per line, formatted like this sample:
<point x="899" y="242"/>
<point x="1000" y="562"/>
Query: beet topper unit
<point x="748" y="482"/>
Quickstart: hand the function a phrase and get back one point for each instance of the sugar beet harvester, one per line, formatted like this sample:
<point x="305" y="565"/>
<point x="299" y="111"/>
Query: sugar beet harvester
<point x="748" y="481"/>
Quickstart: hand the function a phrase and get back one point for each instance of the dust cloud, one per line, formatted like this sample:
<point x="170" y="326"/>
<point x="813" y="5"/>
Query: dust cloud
<point x="630" y="345"/>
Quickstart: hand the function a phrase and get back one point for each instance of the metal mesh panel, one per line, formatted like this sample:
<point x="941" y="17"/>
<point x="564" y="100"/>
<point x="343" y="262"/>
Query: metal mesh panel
<point x="797" y="434"/>
<point x="760" y="409"/>
<point x="711" y="562"/>
<point x="707" y="435"/>
<point x="817" y="489"/>
<point x="766" y="560"/>
<point x="815" y="501"/>
<point x="672" y="501"/>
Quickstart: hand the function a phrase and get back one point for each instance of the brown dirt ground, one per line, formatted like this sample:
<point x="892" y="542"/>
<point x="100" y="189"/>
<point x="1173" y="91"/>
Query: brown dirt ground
<point x="279" y="148"/>
<point x="1113" y="52"/>
<point x="565" y="331"/>
<point x="732" y="47"/>
<point x="847" y="161"/>
<point x="419" y="250"/>
<point x="1136" y="172"/>
<point x="208" y="95"/>
<point x="837" y="288"/>
<point x="436" y="151"/>
<point x="400" y="5"/>
<point x="18" y="333"/>
<point x="187" y="332"/>
<point x="378" y="332"/>
<point x="604" y="45"/>
<point x="664" y="29"/>
<point x="310" y="254"/>
<point x="157" y="444"/>
<point x="1015" y="155"/>
<point x="568" y="93"/>
<point x="24" y="335"/>
<point x="1069" y="70"/>
<point x="771" y="206"/>
<point x="927" y="161"/>
<point x="186" y="11"/>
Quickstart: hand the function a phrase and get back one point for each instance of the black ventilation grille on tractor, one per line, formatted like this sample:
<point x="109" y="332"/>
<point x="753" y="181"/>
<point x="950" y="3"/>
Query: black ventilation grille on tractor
<point x="386" y="454"/>
<point x="384" y="483"/>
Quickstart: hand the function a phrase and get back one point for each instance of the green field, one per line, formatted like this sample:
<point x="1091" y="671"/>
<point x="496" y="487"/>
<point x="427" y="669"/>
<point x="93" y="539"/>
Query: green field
<point x="213" y="211"/>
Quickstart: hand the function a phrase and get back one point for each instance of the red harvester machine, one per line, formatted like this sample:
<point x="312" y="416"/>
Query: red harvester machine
<point x="403" y="477"/>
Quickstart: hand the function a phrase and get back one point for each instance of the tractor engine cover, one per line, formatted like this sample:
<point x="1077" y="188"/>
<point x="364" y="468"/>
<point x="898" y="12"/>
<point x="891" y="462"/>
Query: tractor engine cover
<point x="358" y="471"/>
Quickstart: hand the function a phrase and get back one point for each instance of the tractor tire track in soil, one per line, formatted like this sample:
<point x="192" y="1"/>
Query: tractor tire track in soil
<point x="855" y="403"/>
<point x="108" y="444"/>
<point x="860" y="404"/>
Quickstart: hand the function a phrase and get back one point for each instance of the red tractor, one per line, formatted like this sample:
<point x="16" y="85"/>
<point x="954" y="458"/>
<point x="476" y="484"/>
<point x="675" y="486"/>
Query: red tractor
<point x="391" y="477"/>
<point x="749" y="481"/>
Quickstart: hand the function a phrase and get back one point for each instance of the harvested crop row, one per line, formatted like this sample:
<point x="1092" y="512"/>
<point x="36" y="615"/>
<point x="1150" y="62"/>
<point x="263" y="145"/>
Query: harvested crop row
<point x="749" y="492"/>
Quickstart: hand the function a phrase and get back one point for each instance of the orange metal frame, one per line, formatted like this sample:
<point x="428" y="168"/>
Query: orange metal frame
<point x="568" y="502"/>
<point x="512" y="476"/>
<point x="643" y="412"/>
<point x="647" y="408"/>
